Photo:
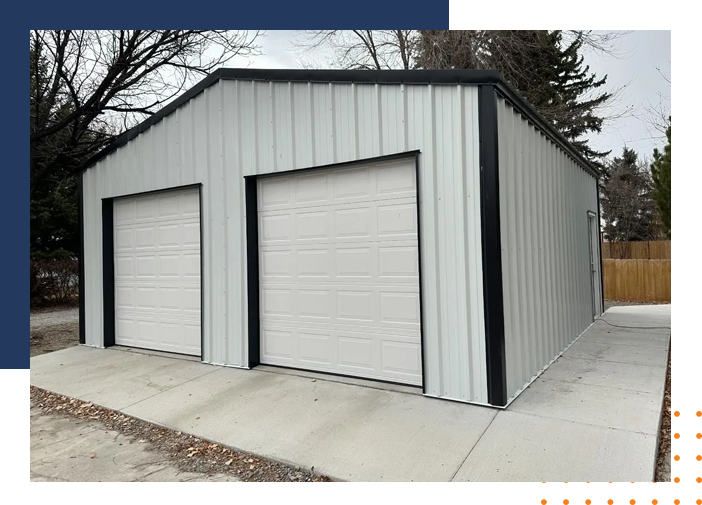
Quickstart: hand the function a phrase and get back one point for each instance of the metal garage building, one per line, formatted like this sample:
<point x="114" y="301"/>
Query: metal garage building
<point x="419" y="227"/>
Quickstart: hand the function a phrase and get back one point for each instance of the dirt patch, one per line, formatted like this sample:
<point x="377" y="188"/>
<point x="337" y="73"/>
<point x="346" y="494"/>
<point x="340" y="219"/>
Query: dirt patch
<point x="52" y="330"/>
<point x="663" y="463"/>
<point x="187" y="452"/>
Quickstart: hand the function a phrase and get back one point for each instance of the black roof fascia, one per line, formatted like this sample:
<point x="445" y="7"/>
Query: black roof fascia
<point x="527" y="110"/>
<point x="152" y="120"/>
<point x="467" y="77"/>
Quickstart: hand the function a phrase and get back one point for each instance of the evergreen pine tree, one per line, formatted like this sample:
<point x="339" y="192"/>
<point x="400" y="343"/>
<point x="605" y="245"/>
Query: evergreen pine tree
<point x="549" y="73"/>
<point x="628" y="209"/>
<point x="660" y="173"/>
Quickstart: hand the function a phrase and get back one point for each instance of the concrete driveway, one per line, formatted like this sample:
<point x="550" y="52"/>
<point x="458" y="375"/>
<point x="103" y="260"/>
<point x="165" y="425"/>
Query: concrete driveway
<point x="592" y="416"/>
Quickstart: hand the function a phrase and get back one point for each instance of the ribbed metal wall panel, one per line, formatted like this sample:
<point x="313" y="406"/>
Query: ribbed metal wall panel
<point x="237" y="128"/>
<point x="544" y="200"/>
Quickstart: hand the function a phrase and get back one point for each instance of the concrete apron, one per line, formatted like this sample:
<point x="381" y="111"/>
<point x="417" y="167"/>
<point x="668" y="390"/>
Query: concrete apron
<point x="592" y="416"/>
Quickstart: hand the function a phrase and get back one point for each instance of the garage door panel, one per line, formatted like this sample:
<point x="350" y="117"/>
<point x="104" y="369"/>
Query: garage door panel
<point x="339" y="273"/>
<point x="400" y="263"/>
<point x="277" y="302"/>
<point x="354" y="305"/>
<point x="277" y="264"/>
<point x="278" y="345"/>
<point x="311" y="189"/>
<point x="396" y="179"/>
<point x="400" y="357"/>
<point x="367" y="262"/>
<point x="351" y="183"/>
<point x="315" y="348"/>
<point x="314" y="263"/>
<point x="146" y="266"/>
<point x="356" y="353"/>
<point x="124" y="240"/>
<point x="146" y="208"/>
<point x="124" y="211"/>
<point x="312" y="225"/>
<point x="157" y="271"/>
<point x="397" y="220"/>
<point x="124" y="267"/>
<point x="316" y="304"/>
<point x="353" y="223"/>
<point x="273" y="193"/>
<point x="275" y="228"/>
<point x="342" y="186"/>
<point x="354" y="263"/>
<point x="190" y="235"/>
<point x="399" y="308"/>
<point x="169" y="205"/>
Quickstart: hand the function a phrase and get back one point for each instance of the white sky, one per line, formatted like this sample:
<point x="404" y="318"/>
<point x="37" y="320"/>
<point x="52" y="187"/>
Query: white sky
<point x="633" y="70"/>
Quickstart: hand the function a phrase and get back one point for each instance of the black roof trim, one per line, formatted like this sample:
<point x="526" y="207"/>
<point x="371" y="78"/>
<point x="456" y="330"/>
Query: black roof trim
<point x="468" y="77"/>
<point x="512" y="96"/>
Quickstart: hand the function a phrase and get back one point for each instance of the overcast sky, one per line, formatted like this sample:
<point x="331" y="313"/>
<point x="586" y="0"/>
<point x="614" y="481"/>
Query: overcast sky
<point x="633" y="71"/>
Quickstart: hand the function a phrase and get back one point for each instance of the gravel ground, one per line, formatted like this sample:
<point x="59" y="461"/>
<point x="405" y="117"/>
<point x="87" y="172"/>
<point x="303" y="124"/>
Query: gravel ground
<point x="190" y="455"/>
<point x="52" y="329"/>
<point x="68" y="449"/>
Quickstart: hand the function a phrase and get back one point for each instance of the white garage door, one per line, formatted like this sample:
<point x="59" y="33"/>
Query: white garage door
<point x="339" y="274"/>
<point x="157" y="271"/>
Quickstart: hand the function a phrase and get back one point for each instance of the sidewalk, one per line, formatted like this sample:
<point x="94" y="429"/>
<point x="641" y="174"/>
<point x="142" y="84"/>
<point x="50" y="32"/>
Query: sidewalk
<point x="592" y="416"/>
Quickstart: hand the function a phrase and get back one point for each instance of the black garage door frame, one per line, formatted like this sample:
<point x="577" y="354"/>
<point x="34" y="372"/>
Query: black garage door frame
<point x="252" y="261"/>
<point x="108" y="265"/>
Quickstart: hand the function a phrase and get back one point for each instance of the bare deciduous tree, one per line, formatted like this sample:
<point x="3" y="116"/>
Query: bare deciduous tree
<point x="398" y="49"/>
<point x="656" y="114"/>
<point x="86" y="85"/>
<point x="362" y="49"/>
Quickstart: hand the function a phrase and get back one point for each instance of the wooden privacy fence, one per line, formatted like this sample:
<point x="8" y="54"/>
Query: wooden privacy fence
<point x="657" y="250"/>
<point x="637" y="280"/>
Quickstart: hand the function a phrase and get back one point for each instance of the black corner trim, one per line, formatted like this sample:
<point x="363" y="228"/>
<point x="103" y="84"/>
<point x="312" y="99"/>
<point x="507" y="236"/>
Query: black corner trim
<point x="252" y="271"/>
<point x="108" y="273"/>
<point x="81" y="264"/>
<point x="492" y="247"/>
<point x="418" y="198"/>
<point x="202" y="275"/>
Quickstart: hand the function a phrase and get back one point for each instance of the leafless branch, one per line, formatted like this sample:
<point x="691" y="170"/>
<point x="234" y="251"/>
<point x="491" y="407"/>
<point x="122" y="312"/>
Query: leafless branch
<point x="93" y="83"/>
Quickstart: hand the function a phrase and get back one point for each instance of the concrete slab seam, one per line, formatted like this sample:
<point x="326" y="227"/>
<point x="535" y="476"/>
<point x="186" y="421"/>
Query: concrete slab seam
<point x="165" y="390"/>
<point x="474" y="446"/>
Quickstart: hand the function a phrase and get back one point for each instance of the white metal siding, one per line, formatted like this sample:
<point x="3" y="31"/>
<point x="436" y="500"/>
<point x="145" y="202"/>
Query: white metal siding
<point x="544" y="200"/>
<point x="157" y="271"/>
<point x="239" y="128"/>
<point x="339" y="271"/>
